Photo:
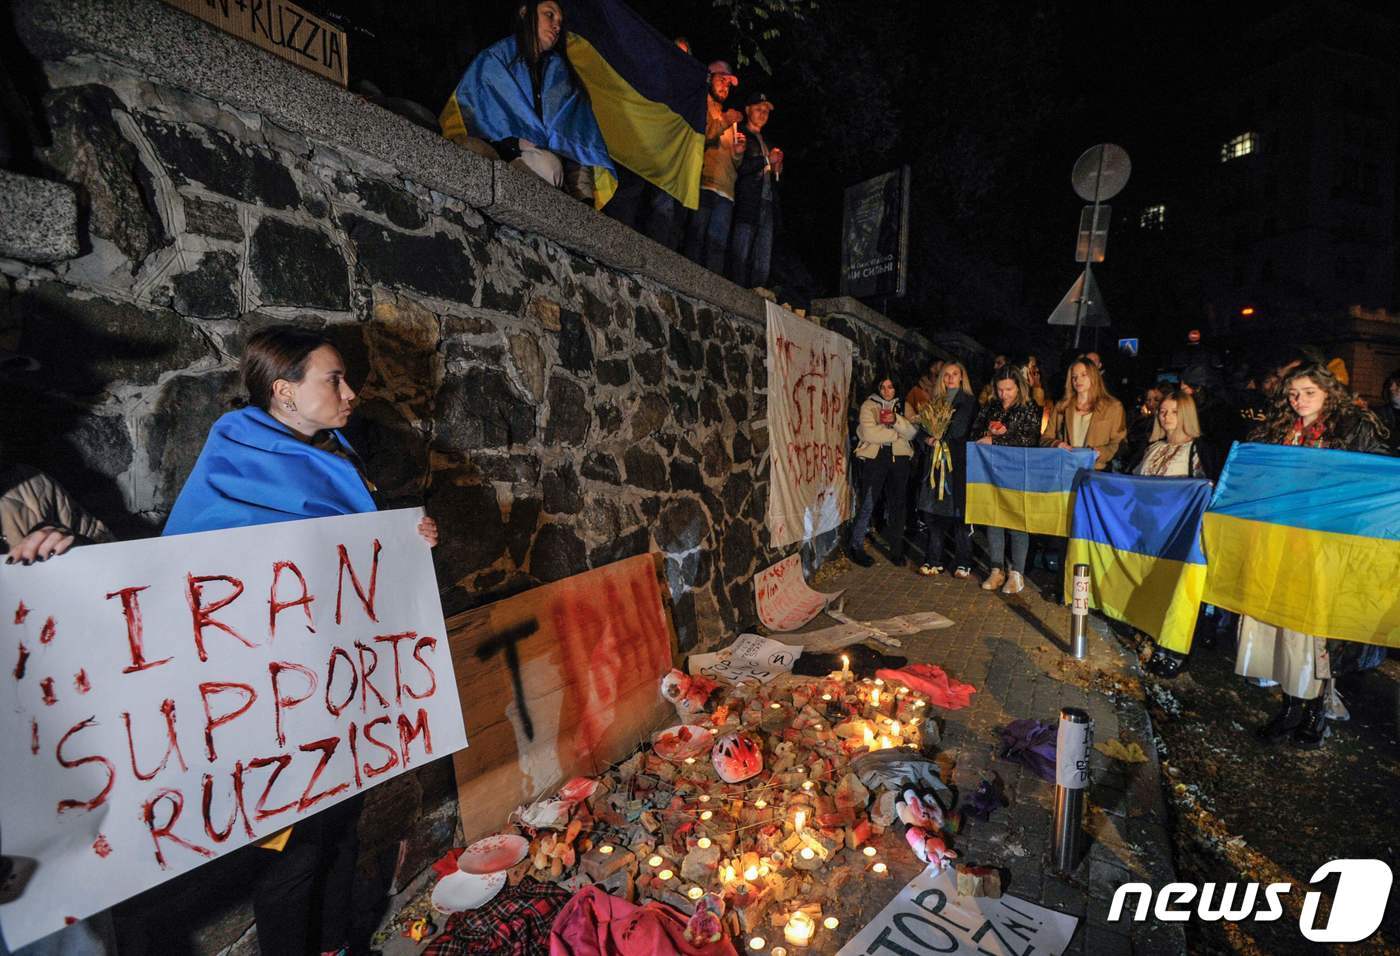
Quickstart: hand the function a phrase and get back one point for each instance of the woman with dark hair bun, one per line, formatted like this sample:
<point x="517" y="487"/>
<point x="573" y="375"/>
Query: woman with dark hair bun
<point x="282" y="458"/>
<point x="1313" y="410"/>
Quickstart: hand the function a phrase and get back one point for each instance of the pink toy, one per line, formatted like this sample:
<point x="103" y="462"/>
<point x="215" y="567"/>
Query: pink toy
<point x="920" y="811"/>
<point x="929" y="848"/>
<point x="704" y="926"/>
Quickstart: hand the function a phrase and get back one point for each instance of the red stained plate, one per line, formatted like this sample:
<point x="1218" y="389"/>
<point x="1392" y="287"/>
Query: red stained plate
<point x="683" y="740"/>
<point x="493" y="854"/>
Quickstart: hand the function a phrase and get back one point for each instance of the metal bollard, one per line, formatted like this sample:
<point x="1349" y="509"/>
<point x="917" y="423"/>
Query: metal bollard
<point x="1079" y="613"/>
<point x="1073" y="741"/>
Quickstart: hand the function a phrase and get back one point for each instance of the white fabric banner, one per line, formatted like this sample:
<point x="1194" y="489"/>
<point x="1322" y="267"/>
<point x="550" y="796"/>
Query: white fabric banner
<point x="809" y="385"/>
<point x="166" y="701"/>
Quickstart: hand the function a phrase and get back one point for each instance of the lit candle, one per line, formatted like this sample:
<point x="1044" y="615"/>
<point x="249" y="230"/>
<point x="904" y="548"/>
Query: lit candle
<point x="831" y="922"/>
<point x="605" y="849"/>
<point x="894" y="727"/>
<point x="695" y="892"/>
<point x="729" y="874"/>
<point x="760" y="803"/>
<point x="808" y="853"/>
<point x="799" y="820"/>
<point x="751" y="874"/>
<point x="665" y="874"/>
<point x="885" y="742"/>
<point x="826" y="697"/>
<point x="875" y="697"/>
<point x="799" y="929"/>
<point x="776" y="706"/>
<point x="763" y="869"/>
<point x="879" y="682"/>
<point x="879" y="868"/>
<point x="779" y="951"/>
<point x="869" y="851"/>
<point x="902" y="691"/>
<point x="703" y="843"/>
<point x="757" y="943"/>
<point x="655" y="860"/>
<point x="706" y="814"/>
<point x="704" y="798"/>
<point x="807" y="785"/>
<point x="690" y="760"/>
<point x="845" y="665"/>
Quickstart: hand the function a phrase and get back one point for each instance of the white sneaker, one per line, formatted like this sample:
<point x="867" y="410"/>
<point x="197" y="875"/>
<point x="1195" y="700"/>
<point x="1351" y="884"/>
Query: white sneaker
<point x="994" y="580"/>
<point x="1015" y="584"/>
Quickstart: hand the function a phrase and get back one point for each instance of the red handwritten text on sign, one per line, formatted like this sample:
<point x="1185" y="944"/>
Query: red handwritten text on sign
<point x="226" y="684"/>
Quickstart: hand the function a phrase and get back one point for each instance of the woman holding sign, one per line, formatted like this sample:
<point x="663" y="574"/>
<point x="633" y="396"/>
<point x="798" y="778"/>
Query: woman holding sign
<point x="282" y="458"/>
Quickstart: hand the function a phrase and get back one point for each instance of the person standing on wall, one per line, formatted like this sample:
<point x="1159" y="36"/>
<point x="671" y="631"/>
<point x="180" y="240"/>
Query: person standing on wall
<point x="755" y="199"/>
<point x="281" y="458"/>
<point x="707" y="235"/>
<point x="884" y="453"/>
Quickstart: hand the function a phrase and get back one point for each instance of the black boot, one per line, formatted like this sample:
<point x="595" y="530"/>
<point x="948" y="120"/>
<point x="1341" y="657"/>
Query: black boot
<point x="1166" y="663"/>
<point x="858" y="556"/>
<point x="1313" y="728"/>
<point x="1286" y="721"/>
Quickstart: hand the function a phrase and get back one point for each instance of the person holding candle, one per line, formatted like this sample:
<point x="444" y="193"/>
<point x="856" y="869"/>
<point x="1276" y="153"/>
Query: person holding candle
<point x="885" y="453"/>
<point x="1010" y="419"/>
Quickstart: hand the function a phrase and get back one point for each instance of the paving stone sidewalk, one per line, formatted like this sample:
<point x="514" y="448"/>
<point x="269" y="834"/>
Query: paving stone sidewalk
<point x="1014" y="649"/>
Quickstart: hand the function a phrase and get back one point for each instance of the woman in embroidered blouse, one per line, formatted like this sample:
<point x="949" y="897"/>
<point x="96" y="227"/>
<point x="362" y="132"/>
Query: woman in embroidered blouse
<point x="1314" y="410"/>
<point x="1011" y="418"/>
<point x="1087" y="416"/>
<point x="1171" y="450"/>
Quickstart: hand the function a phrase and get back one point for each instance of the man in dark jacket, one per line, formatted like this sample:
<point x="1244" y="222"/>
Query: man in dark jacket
<point x="755" y="198"/>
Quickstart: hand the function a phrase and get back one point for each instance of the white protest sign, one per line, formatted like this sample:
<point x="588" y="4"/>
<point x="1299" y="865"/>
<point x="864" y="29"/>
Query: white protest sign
<point x="749" y="658"/>
<point x="928" y="916"/>
<point x="809" y="385"/>
<point x="785" y="602"/>
<point x="172" y="699"/>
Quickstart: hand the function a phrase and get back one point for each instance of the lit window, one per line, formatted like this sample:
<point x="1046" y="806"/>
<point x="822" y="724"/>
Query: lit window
<point x="1153" y="217"/>
<point x="1241" y="145"/>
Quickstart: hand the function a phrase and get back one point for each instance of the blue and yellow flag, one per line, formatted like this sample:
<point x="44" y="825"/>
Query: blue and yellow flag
<point x="1024" y="489"/>
<point x="1308" y="539"/>
<point x="1141" y="538"/>
<point x="647" y="93"/>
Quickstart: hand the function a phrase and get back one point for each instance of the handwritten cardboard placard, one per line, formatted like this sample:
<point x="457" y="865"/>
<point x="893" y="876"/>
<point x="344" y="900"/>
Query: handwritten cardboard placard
<point x="749" y="658"/>
<point x="557" y="682"/>
<point x="166" y="701"/>
<point x="785" y="602"/>
<point x="281" y="28"/>
<point x="809" y="385"/>
<point x="928" y="916"/>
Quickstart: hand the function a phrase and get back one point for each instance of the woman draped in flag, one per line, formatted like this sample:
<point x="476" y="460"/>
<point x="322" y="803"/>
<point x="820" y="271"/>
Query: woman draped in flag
<point x="281" y="458"/>
<point x="1011" y="418"/>
<point x="1314" y="410"/>
<point x="521" y="96"/>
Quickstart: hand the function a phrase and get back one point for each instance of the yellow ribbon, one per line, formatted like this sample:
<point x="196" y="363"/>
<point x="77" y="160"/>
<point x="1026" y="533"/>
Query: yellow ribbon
<point x="942" y="464"/>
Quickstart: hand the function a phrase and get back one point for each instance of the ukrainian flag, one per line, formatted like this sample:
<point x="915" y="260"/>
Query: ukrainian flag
<point x="1024" y="489"/>
<point x="1308" y="539"/>
<point x="1141" y="538"/>
<point x="647" y="94"/>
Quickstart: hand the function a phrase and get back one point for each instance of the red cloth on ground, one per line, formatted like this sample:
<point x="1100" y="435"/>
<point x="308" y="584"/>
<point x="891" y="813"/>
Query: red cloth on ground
<point x="594" y="923"/>
<point x="930" y="680"/>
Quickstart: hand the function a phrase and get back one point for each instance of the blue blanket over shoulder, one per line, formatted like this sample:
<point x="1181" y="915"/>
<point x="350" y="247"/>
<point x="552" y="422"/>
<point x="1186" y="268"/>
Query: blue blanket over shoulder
<point x="254" y="471"/>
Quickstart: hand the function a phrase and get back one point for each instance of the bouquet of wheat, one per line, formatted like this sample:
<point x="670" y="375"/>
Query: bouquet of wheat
<point x="934" y="417"/>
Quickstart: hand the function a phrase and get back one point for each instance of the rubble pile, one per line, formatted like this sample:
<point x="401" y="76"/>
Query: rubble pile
<point x="840" y="761"/>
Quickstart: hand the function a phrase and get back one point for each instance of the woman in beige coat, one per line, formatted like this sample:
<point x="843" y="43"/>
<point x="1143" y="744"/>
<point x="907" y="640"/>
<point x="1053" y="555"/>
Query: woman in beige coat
<point x="884" y="455"/>
<point x="1087" y="416"/>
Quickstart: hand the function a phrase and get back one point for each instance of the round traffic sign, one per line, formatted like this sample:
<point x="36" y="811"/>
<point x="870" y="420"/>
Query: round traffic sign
<point x="1101" y="172"/>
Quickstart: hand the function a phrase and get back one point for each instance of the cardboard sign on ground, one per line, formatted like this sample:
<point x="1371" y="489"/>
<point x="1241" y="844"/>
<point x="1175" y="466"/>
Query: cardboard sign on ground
<point x="557" y="682"/>
<point x="928" y="916"/>
<point x="785" y="602"/>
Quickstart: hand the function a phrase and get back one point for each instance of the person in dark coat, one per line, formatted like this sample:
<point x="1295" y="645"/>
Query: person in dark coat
<point x="942" y="492"/>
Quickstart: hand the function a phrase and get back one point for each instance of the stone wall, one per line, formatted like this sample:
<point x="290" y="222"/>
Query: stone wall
<point x="554" y="405"/>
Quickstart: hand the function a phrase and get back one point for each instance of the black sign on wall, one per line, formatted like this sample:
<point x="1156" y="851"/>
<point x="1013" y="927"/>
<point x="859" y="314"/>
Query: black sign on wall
<point x="875" y="236"/>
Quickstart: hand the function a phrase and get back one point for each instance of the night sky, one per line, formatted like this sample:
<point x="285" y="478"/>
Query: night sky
<point x="990" y="103"/>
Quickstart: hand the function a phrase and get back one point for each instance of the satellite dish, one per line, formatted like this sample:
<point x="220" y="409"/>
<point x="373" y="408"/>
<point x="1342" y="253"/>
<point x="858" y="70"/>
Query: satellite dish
<point x="1101" y="173"/>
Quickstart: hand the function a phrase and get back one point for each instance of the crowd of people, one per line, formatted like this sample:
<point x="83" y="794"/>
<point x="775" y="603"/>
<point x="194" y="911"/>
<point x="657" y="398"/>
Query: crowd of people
<point x="1182" y="425"/>
<point x="520" y="101"/>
